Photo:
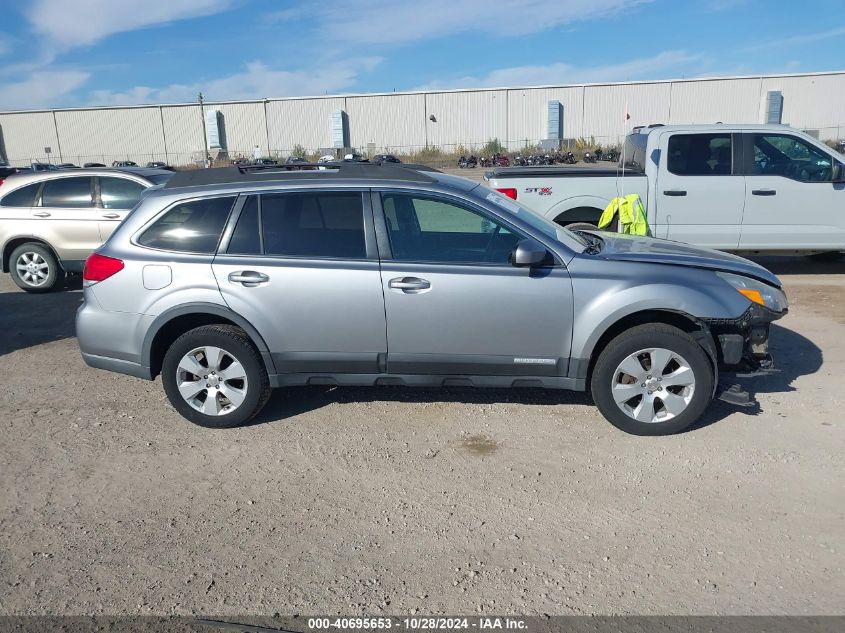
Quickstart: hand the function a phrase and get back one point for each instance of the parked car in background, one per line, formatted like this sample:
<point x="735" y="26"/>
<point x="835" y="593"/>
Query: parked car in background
<point x="295" y="160"/>
<point x="379" y="159"/>
<point x="124" y="163"/>
<point x="355" y="158"/>
<point x="741" y="188"/>
<point x="265" y="161"/>
<point x="8" y="170"/>
<point x="86" y="165"/>
<point x="51" y="221"/>
<point x="36" y="166"/>
<point x="67" y="166"/>
<point x="157" y="164"/>
<point x="227" y="282"/>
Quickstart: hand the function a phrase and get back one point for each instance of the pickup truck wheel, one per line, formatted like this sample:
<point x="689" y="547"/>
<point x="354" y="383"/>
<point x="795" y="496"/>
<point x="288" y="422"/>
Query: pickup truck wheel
<point x="653" y="379"/>
<point x="214" y="377"/>
<point x="34" y="268"/>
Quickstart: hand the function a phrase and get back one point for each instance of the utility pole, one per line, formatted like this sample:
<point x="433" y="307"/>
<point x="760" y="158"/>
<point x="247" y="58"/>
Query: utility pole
<point x="204" y="136"/>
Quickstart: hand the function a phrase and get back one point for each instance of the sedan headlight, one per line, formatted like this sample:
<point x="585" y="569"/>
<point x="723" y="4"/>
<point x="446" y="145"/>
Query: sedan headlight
<point x="757" y="291"/>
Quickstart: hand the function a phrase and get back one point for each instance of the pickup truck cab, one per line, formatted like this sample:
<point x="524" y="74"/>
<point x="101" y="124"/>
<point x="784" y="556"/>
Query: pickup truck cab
<point x="743" y="188"/>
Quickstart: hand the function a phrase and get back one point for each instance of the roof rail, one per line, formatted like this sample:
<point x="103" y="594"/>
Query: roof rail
<point x="300" y="171"/>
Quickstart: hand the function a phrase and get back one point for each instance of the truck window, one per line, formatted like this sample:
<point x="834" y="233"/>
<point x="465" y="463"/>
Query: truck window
<point x="791" y="157"/>
<point x="633" y="152"/>
<point x="700" y="155"/>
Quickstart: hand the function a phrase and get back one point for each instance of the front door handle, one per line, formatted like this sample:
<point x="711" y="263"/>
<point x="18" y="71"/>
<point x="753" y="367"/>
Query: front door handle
<point x="41" y="214"/>
<point x="249" y="278"/>
<point x="674" y="192"/>
<point x="763" y="192"/>
<point x="111" y="216"/>
<point x="409" y="285"/>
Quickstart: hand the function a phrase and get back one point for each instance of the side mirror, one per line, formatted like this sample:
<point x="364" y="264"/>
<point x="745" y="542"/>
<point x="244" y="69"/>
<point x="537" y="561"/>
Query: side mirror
<point x="529" y="252"/>
<point x="838" y="172"/>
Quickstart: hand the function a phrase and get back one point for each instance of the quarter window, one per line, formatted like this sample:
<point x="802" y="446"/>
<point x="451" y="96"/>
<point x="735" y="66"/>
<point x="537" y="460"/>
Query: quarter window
<point x="23" y="197"/>
<point x="700" y="154"/>
<point x="120" y="193"/>
<point x="320" y="225"/>
<point x="190" y="227"/>
<point x="424" y="229"/>
<point x="68" y="193"/>
<point x="788" y="156"/>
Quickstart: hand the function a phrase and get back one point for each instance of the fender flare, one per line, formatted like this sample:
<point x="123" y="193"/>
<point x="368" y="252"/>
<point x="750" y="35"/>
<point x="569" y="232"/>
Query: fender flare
<point x="576" y="202"/>
<point x="204" y="308"/>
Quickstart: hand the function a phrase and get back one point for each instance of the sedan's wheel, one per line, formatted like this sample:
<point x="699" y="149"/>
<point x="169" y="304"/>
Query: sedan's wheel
<point x="34" y="268"/>
<point x="652" y="380"/>
<point x="214" y="376"/>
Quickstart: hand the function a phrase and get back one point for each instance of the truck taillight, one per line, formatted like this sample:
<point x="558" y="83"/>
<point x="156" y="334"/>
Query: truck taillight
<point x="510" y="192"/>
<point x="100" y="267"/>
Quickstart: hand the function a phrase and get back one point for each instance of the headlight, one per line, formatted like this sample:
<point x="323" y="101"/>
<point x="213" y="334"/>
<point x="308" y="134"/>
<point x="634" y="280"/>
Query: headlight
<point x="757" y="291"/>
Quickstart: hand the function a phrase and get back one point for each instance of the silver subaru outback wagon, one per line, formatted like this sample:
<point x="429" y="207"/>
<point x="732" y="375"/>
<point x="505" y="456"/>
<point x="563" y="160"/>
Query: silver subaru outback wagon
<point x="230" y="282"/>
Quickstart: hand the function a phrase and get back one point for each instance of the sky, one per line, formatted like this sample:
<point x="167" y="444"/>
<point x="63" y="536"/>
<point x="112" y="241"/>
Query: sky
<point x="68" y="53"/>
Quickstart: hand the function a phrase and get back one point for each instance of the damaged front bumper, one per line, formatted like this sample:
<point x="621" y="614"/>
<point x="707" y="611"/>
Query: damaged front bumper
<point x="742" y="343"/>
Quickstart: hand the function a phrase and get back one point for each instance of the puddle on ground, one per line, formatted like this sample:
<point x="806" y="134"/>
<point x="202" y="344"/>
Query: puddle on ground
<point x="478" y="445"/>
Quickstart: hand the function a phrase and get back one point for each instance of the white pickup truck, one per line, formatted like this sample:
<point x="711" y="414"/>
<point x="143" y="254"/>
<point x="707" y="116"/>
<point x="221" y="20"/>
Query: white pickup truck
<point x="743" y="188"/>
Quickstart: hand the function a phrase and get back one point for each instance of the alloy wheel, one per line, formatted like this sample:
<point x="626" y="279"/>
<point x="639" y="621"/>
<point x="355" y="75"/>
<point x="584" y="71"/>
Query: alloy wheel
<point x="211" y="380"/>
<point x="653" y="385"/>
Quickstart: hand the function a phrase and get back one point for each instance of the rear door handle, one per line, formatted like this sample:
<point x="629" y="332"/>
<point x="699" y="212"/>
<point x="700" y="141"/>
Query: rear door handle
<point x="41" y="214"/>
<point x="763" y="192"/>
<point x="674" y="192"/>
<point x="249" y="278"/>
<point x="409" y="284"/>
<point x="111" y="216"/>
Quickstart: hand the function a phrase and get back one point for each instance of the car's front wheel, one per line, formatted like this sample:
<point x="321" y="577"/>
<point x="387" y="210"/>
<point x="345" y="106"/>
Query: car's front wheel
<point x="214" y="376"/>
<point x="34" y="268"/>
<point x="653" y="379"/>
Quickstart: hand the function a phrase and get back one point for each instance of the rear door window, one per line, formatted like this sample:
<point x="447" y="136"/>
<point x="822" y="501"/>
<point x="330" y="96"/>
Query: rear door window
<point x="190" y="227"/>
<point x="700" y="155"/>
<point x="119" y="193"/>
<point x="67" y="193"/>
<point x="23" y="197"/>
<point x="308" y="224"/>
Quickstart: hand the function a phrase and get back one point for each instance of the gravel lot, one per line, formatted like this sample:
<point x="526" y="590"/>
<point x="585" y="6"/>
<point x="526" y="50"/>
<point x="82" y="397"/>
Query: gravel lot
<point x="391" y="500"/>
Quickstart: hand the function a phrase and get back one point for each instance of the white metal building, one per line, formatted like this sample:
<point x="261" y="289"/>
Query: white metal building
<point x="411" y="121"/>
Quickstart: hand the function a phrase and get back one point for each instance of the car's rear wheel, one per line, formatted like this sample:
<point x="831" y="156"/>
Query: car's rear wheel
<point x="653" y="379"/>
<point x="214" y="376"/>
<point x="34" y="268"/>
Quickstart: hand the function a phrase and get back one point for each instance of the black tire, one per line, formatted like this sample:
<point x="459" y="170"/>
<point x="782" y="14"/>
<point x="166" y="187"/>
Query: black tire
<point x="235" y="342"/>
<point x="39" y="255"/>
<point x="829" y="257"/>
<point x="582" y="226"/>
<point x="641" y="337"/>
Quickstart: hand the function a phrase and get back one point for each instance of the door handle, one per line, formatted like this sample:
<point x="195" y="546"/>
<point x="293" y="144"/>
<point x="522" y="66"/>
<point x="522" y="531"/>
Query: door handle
<point x="674" y="192"/>
<point x="409" y="285"/>
<point x="248" y="278"/>
<point x="763" y="192"/>
<point x="41" y="214"/>
<point x="111" y="216"/>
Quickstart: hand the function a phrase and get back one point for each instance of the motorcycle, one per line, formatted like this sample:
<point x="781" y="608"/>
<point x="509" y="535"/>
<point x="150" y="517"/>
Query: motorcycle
<point x="472" y="162"/>
<point x="612" y="155"/>
<point x="569" y="158"/>
<point x="462" y="162"/>
<point x="589" y="158"/>
<point x="502" y="160"/>
<point x="519" y="160"/>
<point x="485" y="162"/>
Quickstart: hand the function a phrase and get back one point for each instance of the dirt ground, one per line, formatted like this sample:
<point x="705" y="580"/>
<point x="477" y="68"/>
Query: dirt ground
<point x="394" y="501"/>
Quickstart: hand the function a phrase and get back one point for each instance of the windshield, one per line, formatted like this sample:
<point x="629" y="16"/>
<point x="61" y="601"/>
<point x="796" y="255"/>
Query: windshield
<point x="546" y="227"/>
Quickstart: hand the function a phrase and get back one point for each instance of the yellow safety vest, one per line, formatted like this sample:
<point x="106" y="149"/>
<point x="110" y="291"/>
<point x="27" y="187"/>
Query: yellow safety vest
<point x="632" y="216"/>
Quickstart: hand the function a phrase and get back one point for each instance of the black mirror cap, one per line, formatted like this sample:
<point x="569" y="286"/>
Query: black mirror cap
<point x="528" y="253"/>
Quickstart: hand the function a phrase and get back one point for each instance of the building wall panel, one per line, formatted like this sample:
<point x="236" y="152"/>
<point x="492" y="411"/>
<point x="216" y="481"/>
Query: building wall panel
<point x="182" y="133"/>
<point x="725" y="100"/>
<point x="465" y="118"/>
<point x="24" y="135"/>
<point x="604" y="109"/>
<point x="390" y="122"/>
<point x="111" y="134"/>
<point x="812" y="102"/>
<point x="306" y="122"/>
<point x="244" y="124"/>
<point x="527" y="112"/>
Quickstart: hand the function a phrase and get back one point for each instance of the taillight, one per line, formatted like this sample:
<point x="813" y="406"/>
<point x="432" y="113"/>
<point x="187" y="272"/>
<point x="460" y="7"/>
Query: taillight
<point x="100" y="267"/>
<point x="510" y="192"/>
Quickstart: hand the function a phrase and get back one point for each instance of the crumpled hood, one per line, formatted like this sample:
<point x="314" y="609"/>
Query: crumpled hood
<point x="634" y="248"/>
